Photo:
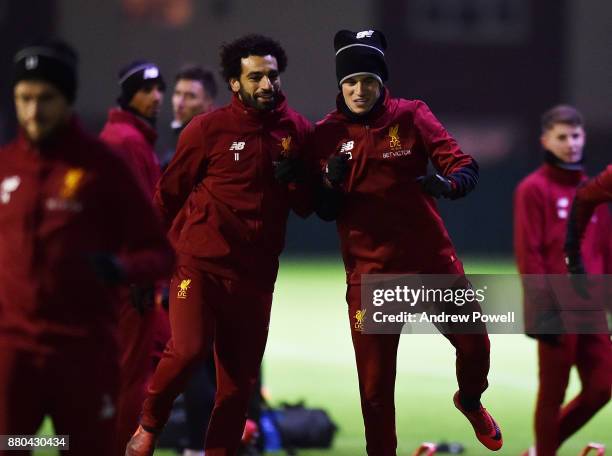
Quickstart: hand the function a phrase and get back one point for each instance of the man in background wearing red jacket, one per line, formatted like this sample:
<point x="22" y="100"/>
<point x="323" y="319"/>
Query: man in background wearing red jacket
<point x="542" y="204"/>
<point x="75" y="225"/>
<point x="231" y="185"/>
<point x="130" y="131"/>
<point x="376" y="149"/>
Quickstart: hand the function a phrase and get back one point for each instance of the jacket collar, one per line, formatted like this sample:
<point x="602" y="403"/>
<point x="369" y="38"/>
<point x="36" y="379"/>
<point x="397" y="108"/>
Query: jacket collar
<point x="118" y="115"/>
<point x="377" y="117"/>
<point x="564" y="176"/>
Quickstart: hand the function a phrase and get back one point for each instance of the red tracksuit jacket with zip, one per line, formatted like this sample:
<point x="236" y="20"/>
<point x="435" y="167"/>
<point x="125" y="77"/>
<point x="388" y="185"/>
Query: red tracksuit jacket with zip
<point x="229" y="211"/>
<point x="387" y="224"/>
<point x="542" y="203"/>
<point x="59" y="204"/>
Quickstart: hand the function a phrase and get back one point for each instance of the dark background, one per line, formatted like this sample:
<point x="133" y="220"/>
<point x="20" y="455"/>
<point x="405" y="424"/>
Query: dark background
<point x="487" y="68"/>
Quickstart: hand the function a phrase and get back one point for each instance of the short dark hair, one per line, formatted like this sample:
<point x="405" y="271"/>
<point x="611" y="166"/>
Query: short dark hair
<point x="197" y="73"/>
<point x="561" y="114"/>
<point x="231" y="53"/>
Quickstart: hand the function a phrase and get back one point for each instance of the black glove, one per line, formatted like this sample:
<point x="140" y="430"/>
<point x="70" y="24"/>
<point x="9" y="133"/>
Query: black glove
<point x="578" y="276"/>
<point x="328" y="203"/>
<point x="142" y="298"/>
<point x="108" y="268"/>
<point x="436" y="185"/>
<point x="288" y="170"/>
<point x="337" y="169"/>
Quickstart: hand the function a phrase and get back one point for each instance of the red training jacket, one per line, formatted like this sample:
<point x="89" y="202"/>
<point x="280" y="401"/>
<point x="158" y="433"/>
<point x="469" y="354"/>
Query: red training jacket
<point x="232" y="213"/>
<point x="60" y="203"/>
<point x="542" y="203"/>
<point x="387" y="224"/>
<point x="133" y="139"/>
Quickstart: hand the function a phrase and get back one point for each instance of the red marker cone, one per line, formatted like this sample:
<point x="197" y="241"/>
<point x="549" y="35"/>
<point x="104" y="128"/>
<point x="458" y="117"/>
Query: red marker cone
<point x="426" y="449"/>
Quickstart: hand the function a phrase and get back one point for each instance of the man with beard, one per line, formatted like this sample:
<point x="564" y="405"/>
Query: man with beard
<point x="231" y="184"/>
<point x="130" y="131"/>
<point x="75" y="225"/>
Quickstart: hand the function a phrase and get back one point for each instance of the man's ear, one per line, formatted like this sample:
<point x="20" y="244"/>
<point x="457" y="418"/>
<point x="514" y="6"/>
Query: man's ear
<point x="235" y="85"/>
<point x="543" y="139"/>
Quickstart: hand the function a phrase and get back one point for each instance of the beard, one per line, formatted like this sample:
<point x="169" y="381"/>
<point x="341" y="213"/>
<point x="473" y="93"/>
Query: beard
<point x="257" y="102"/>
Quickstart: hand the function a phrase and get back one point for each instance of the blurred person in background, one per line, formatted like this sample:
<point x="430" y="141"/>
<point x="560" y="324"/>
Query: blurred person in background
<point x="194" y="93"/>
<point x="542" y="204"/>
<point x="230" y="186"/>
<point x="144" y="328"/>
<point x="375" y="150"/>
<point x="75" y="226"/>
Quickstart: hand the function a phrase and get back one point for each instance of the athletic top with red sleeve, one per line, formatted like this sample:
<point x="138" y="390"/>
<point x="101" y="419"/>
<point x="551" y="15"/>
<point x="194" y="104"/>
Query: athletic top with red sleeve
<point x="229" y="212"/>
<point x="132" y="138"/>
<point x="59" y="204"/>
<point x="387" y="224"/>
<point x="542" y="203"/>
<point x="598" y="190"/>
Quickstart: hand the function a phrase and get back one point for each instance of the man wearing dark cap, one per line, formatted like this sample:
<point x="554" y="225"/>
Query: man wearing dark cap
<point x="231" y="184"/>
<point x="375" y="150"/>
<point x="75" y="225"/>
<point x="130" y="131"/>
<point x="130" y="128"/>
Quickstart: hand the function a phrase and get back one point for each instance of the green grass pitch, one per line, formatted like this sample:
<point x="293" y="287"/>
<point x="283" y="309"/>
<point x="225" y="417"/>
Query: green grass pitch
<point x="309" y="357"/>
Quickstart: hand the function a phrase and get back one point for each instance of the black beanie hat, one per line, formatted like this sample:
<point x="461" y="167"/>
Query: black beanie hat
<point x="135" y="76"/>
<point x="360" y="53"/>
<point x="52" y="61"/>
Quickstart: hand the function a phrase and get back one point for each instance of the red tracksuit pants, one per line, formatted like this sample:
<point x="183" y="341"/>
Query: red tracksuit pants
<point x="232" y="317"/>
<point x="77" y="389"/>
<point x="592" y="355"/>
<point x="376" y="358"/>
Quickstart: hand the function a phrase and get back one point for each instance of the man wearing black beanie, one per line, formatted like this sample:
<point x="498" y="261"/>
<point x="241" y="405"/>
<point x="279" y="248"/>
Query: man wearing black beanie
<point x="130" y="131"/>
<point x="75" y="225"/>
<point x="375" y="150"/>
<point x="55" y="63"/>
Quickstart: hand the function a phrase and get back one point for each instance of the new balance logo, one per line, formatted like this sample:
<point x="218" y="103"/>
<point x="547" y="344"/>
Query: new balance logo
<point x="237" y="145"/>
<point x="347" y="146"/>
<point x="31" y="62"/>
<point x="365" y="34"/>
<point x="8" y="186"/>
